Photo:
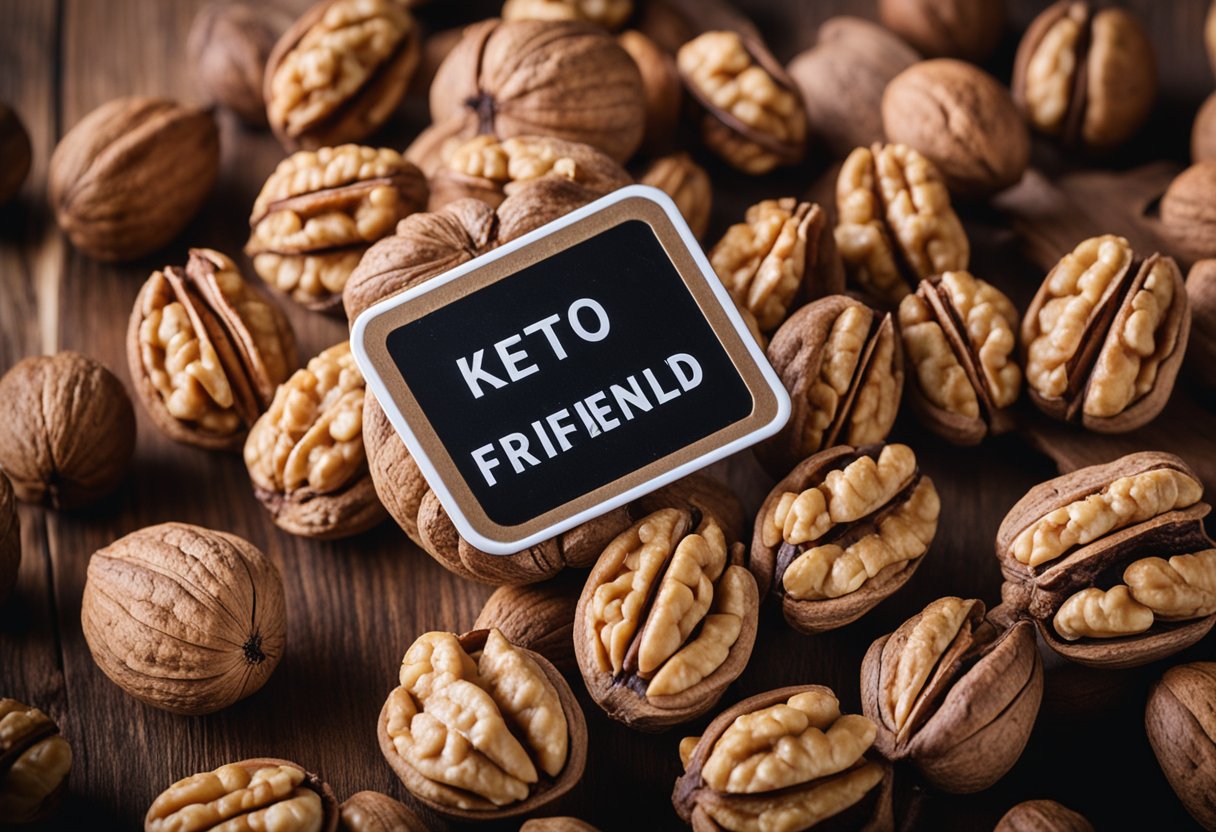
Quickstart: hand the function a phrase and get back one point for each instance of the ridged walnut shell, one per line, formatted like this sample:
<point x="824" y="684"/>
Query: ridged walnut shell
<point x="374" y="812"/>
<point x="261" y="793"/>
<point x="967" y="29"/>
<point x="571" y="81"/>
<point x="1092" y="558"/>
<point x="34" y="763"/>
<point x="1180" y="720"/>
<point x="10" y="540"/>
<point x="557" y="824"/>
<point x="661" y="86"/>
<point x="539" y="617"/>
<point x="227" y="47"/>
<point x="129" y="176"/>
<point x="1042" y="816"/>
<point x="1201" y="347"/>
<point x="1187" y="212"/>
<point x="67" y="430"/>
<point x="183" y="618"/>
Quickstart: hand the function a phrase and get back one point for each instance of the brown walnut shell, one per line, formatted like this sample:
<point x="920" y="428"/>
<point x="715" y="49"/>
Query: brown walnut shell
<point x="571" y="81"/>
<point x="10" y="540"/>
<point x="1104" y="337"/>
<point x="842" y="363"/>
<point x="967" y="29"/>
<point x="374" y="812"/>
<point x="1203" y="131"/>
<point x="557" y="824"/>
<point x="1187" y="212"/>
<point x="243" y="794"/>
<point x="661" y="87"/>
<point x="959" y="336"/>
<point x="961" y="119"/>
<point x="206" y="351"/>
<point x="339" y="72"/>
<point x="183" y="618"/>
<point x="842" y="79"/>
<point x="687" y="184"/>
<point x="1085" y="75"/>
<point x="129" y="176"/>
<point x="666" y="620"/>
<point x="954" y="695"/>
<point x="15" y="150"/>
<point x="607" y="13"/>
<point x="227" y="47"/>
<point x="553" y="756"/>
<point x="1201" y="347"/>
<point x="34" y="763"/>
<point x="1042" y="816"/>
<point x="1180" y="720"/>
<point x="725" y="779"/>
<point x="814" y="526"/>
<point x="67" y="430"/>
<point x="538" y="617"/>
<point x="1111" y="562"/>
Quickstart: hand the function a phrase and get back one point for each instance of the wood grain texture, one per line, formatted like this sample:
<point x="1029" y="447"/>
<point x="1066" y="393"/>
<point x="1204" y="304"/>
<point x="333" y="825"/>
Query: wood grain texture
<point x="355" y="605"/>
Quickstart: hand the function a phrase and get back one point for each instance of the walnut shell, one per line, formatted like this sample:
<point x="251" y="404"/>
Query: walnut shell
<point x="961" y="119"/>
<point x="607" y="13"/>
<point x="661" y="87"/>
<point x="842" y="79"/>
<point x="1180" y="720"/>
<point x="67" y="430"/>
<point x="1201" y="347"/>
<point x="10" y="540"/>
<point x="183" y="618"/>
<point x="34" y="763"/>
<point x="262" y="793"/>
<point x="557" y="824"/>
<point x="539" y="617"/>
<point x="571" y="81"/>
<point x="1203" y="131"/>
<point x="339" y="72"/>
<point x="374" y="812"/>
<point x="481" y="769"/>
<point x="227" y="47"/>
<point x="1187" y="212"/>
<point x="687" y="184"/>
<point x="968" y="29"/>
<point x="1042" y="816"/>
<point x="15" y="150"/>
<point x="129" y="176"/>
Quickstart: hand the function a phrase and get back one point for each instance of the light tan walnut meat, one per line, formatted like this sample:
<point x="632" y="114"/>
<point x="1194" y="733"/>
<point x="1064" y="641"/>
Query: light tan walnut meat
<point x="968" y="29"/>
<point x="754" y="118"/>
<point x="1105" y="336"/>
<point x="305" y="454"/>
<point x="10" y="539"/>
<point x="1112" y="562"/>
<point x="953" y="694"/>
<point x="339" y="72"/>
<point x="228" y="46"/>
<point x="320" y="210"/>
<point x="567" y="80"/>
<point x="67" y="430"/>
<point x="206" y="351"/>
<point x="781" y="256"/>
<point x="895" y="225"/>
<point x="661" y="87"/>
<point x="843" y="531"/>
<point x="184" y="618"/>
<point x="784" y="761"/>
<point x="1186" y="210"/>
<point x="375" y="812"/>
<point x="607" y="13"/>
<point x="960" y="337"/>
<point x="259" y="794"/>
<point x="666" y="620"/>
<point x="131" y="174"/>
<point x="34" y="762"/>
<point x="1085" y="75"/>
<point x="487" y="169"/>
<point x="687" y="184"/>
<point x="1180" y="720"/>
<point x="481" y="729"/>
<point x="1042" y="816"/>
<point x="842" y="363"/>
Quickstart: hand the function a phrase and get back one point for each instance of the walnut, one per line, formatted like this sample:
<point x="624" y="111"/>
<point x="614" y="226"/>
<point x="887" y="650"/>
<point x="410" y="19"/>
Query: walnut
<point x="784" y="760"/>
<point x="661" y="88"/>
<point x="15" y="150"/>
<point x="842" y="364"/>
<point x="538" y="617"/>
<point x="375" y="812"/>
<point x="184" y="618"/>
<point x="320" y="211"/>
<point x="557" y="824"/>
<point x="1201" y="345"/>
<point x="1105" y="335"/>
<point x="305" y="454"/>
<point x="1111" y="562"/>
<point x="896" y="226"/>
<point x="10" y="540"/>
<point x="567" y="80"/>
<point x="843" y="531"/>
<point x="1186" y="211"/>
<point x="1042" y="816"/>
<point x="607" y="13"/>
<point x="481" y="729"/>
<point x="34" y="762"/>
<point x="687" y="184"/>
<point x="228" y="45"/>
<point x="953" y="694"/>
<point x="1085" y="76"/>
<point x="967" y="29"/>
<point x="754" y="118"/>
<point x="206" y="351"/>
<point x="1203" y="132"/>
<point x="131" y="174"/>
<point x="67" y="430"/>
<point x="781" y="256"/>
<point x="256" y="794"/>
<point x="339" y="72"/>
<point x="1181" y="729"/>
<point x="666" y="619"/>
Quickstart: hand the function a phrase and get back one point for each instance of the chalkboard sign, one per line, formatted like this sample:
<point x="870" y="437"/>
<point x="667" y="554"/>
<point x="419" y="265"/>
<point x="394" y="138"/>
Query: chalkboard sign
<point x="569" y="371"/>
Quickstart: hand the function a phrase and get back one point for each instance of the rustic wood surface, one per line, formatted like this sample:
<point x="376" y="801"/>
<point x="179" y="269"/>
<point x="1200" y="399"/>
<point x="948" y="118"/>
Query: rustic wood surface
<point x="354" y="605"/>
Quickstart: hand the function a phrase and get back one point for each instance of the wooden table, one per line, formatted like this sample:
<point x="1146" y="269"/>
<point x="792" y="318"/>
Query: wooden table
<point x="354" y="605"/>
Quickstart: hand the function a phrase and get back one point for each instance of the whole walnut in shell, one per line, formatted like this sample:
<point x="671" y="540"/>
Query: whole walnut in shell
<point x="1180" y="720"/>
<point x="16" y="152"/>
<point x="557" y="824"/>
<point x="374" y="812"/>
<point x="1201" y="349"/>
<point x="67" y="430"/>
<point x="1203" y="131"/>
<point x="34" y="762"/>
<point x="687" y="184"/>
<point x="129" y="176"/>
<point x="259" y="794"/>
<point x="968" y="29"/>
<point x="571" y="81"/>
<point x="227" y="47"/>
<point x="539" y="617"/>
<point x="1042" y="816"/>
<point x="607" y="13"/>
<point x="10" y="540"/>
<point x="1187" y="210"/>
<point x="661" y="87"/>
<point x="183" y="618"/>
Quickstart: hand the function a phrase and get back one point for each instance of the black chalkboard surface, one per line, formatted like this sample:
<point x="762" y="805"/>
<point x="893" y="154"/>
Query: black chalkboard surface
<point x="556" y="377"/>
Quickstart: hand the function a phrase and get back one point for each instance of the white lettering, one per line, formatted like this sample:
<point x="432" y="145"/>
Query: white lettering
<point x="661" y="396"/>
<point x="511" y="360"/>
<point x="687" y="370"/>
<point x="587" y="303"/>
<point x="516" y="446"/>
<point x="539" y="430"/>
<point x="560" y="430"/>
<point x="546" y="326"/>
<point x="473" y="374"/>
<point x="592" y="428"/>
<point x="479" y="456"/>
<point x="601" y="412"/>
<point x="632" y="396"/>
